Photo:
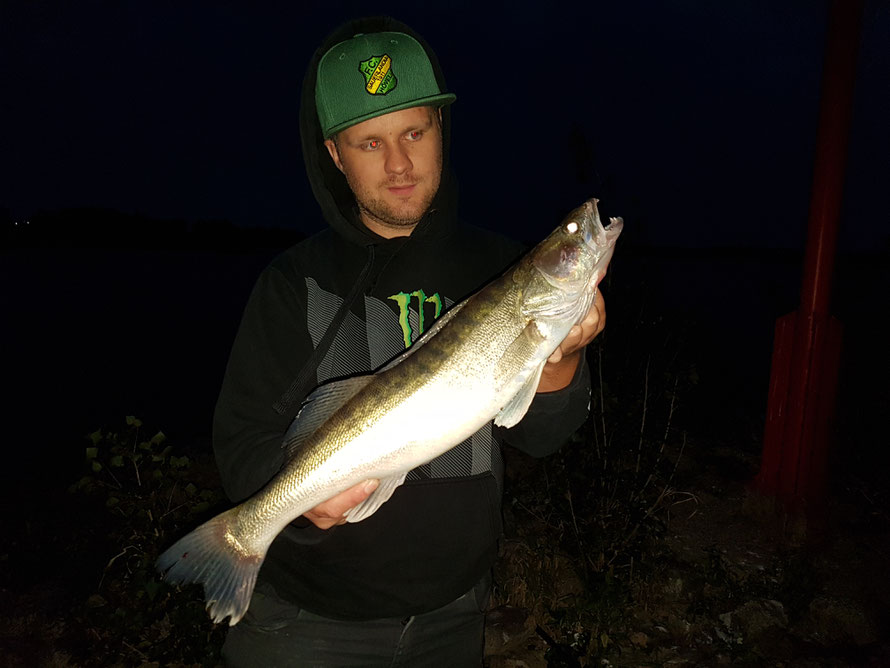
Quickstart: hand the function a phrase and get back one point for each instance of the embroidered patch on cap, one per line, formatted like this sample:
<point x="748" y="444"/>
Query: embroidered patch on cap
<point x="379" y="77"/>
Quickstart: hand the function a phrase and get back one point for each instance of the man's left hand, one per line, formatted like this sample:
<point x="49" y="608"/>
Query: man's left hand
<point x="561" y="365"/>
<point x="585" y="332"/>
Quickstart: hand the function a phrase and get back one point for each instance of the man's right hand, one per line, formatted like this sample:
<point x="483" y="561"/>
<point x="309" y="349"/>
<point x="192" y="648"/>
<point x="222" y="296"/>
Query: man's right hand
<point x="330" y="513"/>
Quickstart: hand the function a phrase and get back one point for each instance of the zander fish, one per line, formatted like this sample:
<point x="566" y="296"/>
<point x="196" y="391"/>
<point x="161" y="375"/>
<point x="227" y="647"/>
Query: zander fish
<point x="481" y="360"/>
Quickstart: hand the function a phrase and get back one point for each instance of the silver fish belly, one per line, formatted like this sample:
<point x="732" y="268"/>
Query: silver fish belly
<point x="480" y="361"/>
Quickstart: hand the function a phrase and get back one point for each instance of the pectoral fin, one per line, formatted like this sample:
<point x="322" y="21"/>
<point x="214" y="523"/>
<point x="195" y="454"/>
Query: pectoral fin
<point x="516" y="363"/>
<point x="516" y="409"/>
<point x="378" y="497"/>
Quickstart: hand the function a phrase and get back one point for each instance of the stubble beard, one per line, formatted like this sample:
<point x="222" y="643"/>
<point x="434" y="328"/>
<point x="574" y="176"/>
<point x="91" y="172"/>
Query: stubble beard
<point x="394" y="216"/>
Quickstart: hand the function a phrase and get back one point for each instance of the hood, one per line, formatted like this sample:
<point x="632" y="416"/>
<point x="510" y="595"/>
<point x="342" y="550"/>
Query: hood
<point x="329" y="185"/>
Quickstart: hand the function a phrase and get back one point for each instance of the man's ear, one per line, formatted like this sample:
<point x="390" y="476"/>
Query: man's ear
<point x="334" y="153"/>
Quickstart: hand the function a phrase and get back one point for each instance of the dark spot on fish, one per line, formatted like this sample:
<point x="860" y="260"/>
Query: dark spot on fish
<point x="184" y="555"/>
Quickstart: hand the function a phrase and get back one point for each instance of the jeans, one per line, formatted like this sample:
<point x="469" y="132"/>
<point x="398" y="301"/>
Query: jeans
<point x="277" y="633"/>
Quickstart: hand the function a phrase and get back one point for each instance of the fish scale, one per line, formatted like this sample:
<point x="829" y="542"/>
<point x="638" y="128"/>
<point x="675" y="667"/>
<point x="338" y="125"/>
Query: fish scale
<point x="480" y="361"/>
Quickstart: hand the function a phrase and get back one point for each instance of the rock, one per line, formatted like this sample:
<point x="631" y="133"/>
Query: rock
<point x="506" y="628"/>
<point x="95" y="601"/>
<point x="639" y="639"/>
<point x="674" y="587"/>
<point x="834" y="620"/>
<point x="511" y="662"/>
<point x="567" y="584"/>
<point x="754" y="618"/>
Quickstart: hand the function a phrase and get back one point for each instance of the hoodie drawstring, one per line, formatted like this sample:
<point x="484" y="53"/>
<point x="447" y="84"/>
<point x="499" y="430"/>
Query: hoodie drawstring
<point x="300" y="387"/>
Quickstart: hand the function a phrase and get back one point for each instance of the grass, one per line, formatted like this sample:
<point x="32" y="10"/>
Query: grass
<point x="582" y="525"/>
<point x="631" y="546"/>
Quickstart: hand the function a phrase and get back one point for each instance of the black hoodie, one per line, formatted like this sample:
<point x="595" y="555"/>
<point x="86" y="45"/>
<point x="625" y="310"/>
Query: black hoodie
<point x="341" y="303"/>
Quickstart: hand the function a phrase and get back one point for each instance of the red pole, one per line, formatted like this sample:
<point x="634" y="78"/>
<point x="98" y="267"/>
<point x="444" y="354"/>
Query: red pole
<point x="838" y="77"/>
<point x="806" y="352"/>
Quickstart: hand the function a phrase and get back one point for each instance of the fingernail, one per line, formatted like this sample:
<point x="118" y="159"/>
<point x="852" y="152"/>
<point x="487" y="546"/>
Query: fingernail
<point x="371" y="485"/>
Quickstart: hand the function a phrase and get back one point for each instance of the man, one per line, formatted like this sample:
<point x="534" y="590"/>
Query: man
<point x="408" y="585"/>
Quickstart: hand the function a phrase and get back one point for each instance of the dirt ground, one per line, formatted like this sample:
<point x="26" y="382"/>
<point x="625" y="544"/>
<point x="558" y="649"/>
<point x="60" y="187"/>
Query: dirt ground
<point x="734" y="583"/>
<point x="725" y="582"/>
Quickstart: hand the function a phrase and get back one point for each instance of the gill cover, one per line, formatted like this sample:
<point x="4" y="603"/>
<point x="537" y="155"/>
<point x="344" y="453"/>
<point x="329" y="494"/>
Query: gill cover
<point x="566" y="258"/>
<point x="568" y="265"/>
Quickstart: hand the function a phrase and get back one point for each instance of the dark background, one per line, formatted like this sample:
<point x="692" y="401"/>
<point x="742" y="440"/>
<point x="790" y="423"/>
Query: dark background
<point x="150" y="166"/>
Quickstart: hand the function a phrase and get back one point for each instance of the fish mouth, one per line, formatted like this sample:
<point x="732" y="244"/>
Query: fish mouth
<point x="596" y="236"/>
<point x="613" y="229"/>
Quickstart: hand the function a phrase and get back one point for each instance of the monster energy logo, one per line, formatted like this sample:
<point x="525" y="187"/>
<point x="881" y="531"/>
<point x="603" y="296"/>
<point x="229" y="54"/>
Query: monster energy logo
<point x="379" y="77"/>
<point x="403" y="299"/>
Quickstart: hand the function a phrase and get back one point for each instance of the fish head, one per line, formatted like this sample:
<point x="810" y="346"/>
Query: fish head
<point x="566" y="267"/>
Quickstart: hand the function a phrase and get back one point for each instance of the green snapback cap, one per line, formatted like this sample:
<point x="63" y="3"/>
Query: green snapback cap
<point x="371" y="75"/>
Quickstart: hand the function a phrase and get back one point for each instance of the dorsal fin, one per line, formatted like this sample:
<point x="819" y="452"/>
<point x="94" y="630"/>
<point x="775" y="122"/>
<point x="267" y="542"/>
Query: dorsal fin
<point x="326" y="399"/>
<point x="427" y="335"/>
<point x="323" y="402"/>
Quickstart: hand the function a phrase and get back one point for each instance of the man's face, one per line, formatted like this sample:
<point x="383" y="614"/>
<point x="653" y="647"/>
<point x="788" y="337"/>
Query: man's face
<point x="393" y="164"/>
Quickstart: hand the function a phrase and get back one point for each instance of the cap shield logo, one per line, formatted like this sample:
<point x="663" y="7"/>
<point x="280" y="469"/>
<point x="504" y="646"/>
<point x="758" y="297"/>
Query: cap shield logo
<point x="379" y="77"/>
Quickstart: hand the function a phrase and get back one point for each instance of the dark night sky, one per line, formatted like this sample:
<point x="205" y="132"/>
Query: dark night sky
<point x="694" y="120"/>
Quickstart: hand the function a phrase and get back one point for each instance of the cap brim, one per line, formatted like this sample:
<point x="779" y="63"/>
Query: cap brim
<point x="433" y="100"/>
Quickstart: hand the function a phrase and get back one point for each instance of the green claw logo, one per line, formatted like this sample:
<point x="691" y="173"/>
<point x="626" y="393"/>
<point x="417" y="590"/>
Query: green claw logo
<point x="403" y="299"/>
<point x="379" y="77"/>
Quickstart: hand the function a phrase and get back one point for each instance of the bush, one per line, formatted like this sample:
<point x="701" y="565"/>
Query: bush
<point x="151" y="496"/>
<point x="583" y="525"/>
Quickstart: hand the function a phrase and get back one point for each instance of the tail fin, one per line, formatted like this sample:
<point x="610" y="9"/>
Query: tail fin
<point x="213" y="556"/>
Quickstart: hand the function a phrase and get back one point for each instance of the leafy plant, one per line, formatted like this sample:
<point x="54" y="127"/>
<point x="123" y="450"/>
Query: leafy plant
<point x="583" y="523"/>
<point x="151" y="494"/>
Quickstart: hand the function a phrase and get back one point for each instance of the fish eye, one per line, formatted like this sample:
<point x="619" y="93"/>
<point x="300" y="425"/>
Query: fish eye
<point x="572" y="227"/>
